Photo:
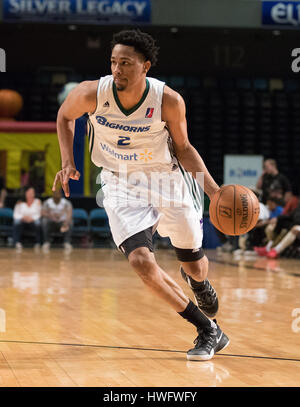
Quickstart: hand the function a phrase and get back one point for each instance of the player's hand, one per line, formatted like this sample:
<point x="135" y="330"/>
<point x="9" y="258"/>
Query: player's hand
<point x="214" y="191"/>
<point x="63" y="178"/>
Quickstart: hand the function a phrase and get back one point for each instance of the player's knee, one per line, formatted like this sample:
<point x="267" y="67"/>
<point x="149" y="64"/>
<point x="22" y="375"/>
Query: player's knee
<point x="197" y="270"/>
<point x="144" y="266"/>
<point x="139" y="262"/>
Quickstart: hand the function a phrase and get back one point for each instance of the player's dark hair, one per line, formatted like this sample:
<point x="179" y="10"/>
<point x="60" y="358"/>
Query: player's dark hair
<point x="142" y="42"/>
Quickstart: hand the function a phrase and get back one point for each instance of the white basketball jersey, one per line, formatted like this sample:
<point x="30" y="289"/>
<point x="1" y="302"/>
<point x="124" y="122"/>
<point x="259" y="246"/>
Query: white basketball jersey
<point x="136" y="137"/>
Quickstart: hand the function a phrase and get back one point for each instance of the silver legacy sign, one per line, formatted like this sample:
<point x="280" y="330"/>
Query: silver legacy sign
<point x="93" y="11"/>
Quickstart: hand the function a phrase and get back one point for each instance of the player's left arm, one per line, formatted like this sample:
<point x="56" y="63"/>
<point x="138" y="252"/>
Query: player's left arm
<point x="174" y="114"/>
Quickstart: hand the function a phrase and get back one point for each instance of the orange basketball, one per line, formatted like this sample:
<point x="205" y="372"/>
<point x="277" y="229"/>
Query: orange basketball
<point x="11" y="102"/>
<point x="234" y="210"/>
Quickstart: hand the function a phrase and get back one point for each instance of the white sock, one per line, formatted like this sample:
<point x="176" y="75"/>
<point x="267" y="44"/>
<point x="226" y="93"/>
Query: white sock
<point x="285" y="242"/>
<point x="269" y="245"/>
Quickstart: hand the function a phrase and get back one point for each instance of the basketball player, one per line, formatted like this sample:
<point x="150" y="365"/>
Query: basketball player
<point x="132" y="115"/>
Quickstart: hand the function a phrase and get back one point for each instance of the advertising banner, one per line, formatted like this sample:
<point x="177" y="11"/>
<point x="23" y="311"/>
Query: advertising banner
<point x="78" y="11"/>
<point x="242" y="169"/>
<point x="286" y="13"/>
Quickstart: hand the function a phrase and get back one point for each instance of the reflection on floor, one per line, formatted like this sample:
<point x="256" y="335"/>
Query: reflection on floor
<point x="85" y="319"/>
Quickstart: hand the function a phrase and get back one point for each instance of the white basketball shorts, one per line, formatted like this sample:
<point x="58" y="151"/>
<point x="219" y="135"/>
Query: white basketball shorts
<point x="170" y="202"/>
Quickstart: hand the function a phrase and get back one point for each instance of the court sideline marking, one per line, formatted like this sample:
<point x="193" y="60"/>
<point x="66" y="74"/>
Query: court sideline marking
<point x="147" y="349"/>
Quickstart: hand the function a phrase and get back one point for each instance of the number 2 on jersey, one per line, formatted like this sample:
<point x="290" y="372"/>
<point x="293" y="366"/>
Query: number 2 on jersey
<point x="123" y="141"/>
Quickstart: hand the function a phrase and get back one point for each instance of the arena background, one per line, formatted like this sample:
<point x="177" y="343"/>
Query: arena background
<point x="231" y="60"/>
<point x="209" y="52"/>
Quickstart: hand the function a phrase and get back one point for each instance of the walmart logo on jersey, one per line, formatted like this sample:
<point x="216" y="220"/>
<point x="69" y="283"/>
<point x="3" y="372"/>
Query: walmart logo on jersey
<point x="134" y="129"/>
<point x="145" y="155"/>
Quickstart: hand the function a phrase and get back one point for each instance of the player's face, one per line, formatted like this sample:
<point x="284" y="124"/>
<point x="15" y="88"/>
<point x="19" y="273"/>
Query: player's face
<point x="127" y="66"/>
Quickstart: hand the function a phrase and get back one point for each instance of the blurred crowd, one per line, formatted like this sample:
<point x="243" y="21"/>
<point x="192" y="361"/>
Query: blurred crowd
<point x="41" y="223"/>
<point x="277" y="231"/>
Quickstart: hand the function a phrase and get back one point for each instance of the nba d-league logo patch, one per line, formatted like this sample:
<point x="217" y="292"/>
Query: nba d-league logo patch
<point x="149" y="112"/>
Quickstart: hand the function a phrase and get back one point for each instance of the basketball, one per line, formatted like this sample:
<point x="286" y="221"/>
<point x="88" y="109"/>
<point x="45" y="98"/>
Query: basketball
<point x="11" y="103"/>
<point x="234" y="210"/>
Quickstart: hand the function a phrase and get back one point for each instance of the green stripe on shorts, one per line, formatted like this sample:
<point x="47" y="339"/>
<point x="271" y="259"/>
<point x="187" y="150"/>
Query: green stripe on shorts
<point x="191" y="184"/>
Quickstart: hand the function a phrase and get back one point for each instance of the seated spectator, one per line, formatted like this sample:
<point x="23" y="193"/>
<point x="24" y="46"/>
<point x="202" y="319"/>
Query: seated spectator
<point x="274" y="211"/>
<point x="268" y="212"/>
<point x="3" y="192"/>
<point x="274" y="207"/>
<point x="291" y="201"/>
<point x="277" y="231"/>
<point x="255" y="236"/>
<point x="272" y="182"/>
<point x="287" y="241"/>
<point x="278" y="226"/>
<point x="57" y="217"/>
<point x="27" y="214"/>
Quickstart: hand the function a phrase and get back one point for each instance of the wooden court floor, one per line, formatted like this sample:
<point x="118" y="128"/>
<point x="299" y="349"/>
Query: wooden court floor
<point x="85" y="319"/>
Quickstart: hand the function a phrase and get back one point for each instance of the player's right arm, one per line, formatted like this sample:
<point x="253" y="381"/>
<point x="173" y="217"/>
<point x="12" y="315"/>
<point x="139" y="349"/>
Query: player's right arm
<point x="81" y="100"/>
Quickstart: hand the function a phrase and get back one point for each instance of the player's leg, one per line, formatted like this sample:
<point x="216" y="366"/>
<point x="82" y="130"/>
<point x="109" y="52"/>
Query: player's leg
<point x="138" y="249"/>
<point x="211" y="338"/>
<point x="186" y="237"/>
<point x="194" y="264"/>
<point x="139" y="252"/>
<point x="194" y="270"/>
<point x="183" y="223"/>
<point x="144" y="264"/>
